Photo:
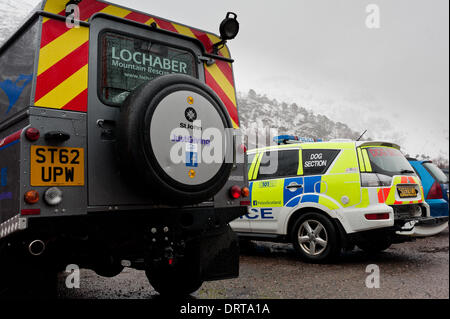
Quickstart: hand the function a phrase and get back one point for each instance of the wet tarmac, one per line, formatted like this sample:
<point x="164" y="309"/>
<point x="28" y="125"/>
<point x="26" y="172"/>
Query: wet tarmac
<point x="417" y="269"/>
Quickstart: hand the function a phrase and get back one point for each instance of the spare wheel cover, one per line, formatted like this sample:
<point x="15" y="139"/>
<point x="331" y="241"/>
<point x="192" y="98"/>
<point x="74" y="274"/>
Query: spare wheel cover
<point x="176" y="110"/>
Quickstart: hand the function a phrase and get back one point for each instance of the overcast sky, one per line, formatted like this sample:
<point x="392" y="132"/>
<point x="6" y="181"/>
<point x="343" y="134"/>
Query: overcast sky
<point x="320" y="54"/>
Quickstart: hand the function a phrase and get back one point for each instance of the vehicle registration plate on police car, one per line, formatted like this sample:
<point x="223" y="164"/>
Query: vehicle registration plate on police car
<point x="406" y="191"/>
<point x="56" y="166"/>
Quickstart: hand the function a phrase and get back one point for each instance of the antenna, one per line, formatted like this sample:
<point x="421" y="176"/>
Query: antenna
<point x="361" y="135"/>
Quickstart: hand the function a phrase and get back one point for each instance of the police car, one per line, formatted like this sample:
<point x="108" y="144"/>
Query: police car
<point x="328" y="196"/>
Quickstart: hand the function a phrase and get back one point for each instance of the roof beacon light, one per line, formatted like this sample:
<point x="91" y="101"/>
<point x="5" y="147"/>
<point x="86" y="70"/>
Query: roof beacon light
<point x="288" y="139"/>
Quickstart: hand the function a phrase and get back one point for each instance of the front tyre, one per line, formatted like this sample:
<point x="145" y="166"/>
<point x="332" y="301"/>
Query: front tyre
<point x="315" y="238"/>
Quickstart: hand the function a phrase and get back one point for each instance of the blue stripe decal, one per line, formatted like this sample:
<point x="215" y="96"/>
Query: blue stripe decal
<point x="310" y="181"/>
<point x="293" y="202"/>
<point x="310" y="198"/>
<point x="10" y="144"/>
<point x="250" y="187"/>
<point x="289" y="194"/>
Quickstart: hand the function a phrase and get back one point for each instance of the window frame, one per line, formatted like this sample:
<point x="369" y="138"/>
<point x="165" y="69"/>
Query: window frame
<point x="332" y="161"/>
<point x="261" y="155"/>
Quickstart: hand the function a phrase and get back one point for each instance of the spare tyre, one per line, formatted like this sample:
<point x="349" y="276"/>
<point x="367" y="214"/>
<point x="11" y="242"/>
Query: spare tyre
<point x="146" y="139"/>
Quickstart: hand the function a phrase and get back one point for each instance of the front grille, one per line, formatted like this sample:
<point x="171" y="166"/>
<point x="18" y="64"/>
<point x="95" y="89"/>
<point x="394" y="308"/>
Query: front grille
<point x="406" y="211"/>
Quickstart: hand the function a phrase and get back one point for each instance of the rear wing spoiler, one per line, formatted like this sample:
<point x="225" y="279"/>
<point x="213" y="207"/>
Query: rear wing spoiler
<point x="372" y="143"/>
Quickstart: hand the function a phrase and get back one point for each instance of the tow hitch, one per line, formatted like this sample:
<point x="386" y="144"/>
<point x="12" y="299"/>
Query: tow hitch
<point x="161" y="250"/>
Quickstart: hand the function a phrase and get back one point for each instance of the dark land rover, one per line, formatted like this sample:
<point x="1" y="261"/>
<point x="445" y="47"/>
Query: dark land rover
<point x="119" y="146"/>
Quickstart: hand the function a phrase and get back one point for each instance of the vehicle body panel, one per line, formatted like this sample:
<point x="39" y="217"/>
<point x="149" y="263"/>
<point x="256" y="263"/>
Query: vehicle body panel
<point x="71" y="61"/>
<point x="439" y="207"/>
<point x="46" y="70"/>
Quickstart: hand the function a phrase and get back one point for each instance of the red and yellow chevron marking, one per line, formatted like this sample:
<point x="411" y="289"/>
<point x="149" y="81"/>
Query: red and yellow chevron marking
<point x="387" y="194"/>
<point x="63" y="60"/>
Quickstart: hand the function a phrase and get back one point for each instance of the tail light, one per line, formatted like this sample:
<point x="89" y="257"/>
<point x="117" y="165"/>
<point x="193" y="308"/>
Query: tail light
<point x="245" y="192"/>
<point x="235" y="192"/>
<point x="435" y="191"/>
<point x="243" y="148"/>
<point x="377" y="216"/>
<point x="375" y="180"/>
<point x="32" y="134"/>
<point x="53" y="196"/>
<point x="31" y="197"/>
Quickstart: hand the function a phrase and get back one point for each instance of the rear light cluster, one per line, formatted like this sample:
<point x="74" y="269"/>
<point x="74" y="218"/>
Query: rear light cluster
<point x="435" y="191"/>
<point x="31" y="197"/>
<point x="375" y="180"/>
<point x="52" y="196"/>
<point x="236" y="192"/>
<point x="32" y="134"/>
<point x="377" y="216"/>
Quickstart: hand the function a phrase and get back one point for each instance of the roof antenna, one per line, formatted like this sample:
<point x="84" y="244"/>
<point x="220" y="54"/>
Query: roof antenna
<point x="361" y="135"/>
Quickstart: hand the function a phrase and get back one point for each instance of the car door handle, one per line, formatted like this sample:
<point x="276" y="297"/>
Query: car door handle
<point x="294" y="186"/>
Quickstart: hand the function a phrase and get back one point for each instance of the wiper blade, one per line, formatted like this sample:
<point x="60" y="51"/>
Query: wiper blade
<point x="405" y="171"/>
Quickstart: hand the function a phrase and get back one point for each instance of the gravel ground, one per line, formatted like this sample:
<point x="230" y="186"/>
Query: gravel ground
<point x="418" y="269"/>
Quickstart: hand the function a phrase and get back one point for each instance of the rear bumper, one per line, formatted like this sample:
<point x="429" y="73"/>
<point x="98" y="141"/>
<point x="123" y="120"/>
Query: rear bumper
<point x="403" y="230"/>
<point x="438" y="207"/>
<point x="104" y="226"/>
<point x="430" y="226"/>
<point x="189" y="219"/>
<point x="388" y="233"/>
<point x="102" y="239"/>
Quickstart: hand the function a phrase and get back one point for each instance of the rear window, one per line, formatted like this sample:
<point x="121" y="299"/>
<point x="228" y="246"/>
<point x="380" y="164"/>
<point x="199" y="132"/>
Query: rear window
<point x="436" y="172"/>
<point x="388" y="161"/>
<point x="127" y="62"/>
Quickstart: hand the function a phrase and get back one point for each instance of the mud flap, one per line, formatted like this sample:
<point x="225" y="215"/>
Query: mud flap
<point x="219" y="255"/>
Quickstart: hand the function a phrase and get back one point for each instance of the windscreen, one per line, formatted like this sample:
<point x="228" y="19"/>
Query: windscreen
<point x="436" y="172"/>
<point x="388" y="161"/>
<point x="128" y="62"/>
